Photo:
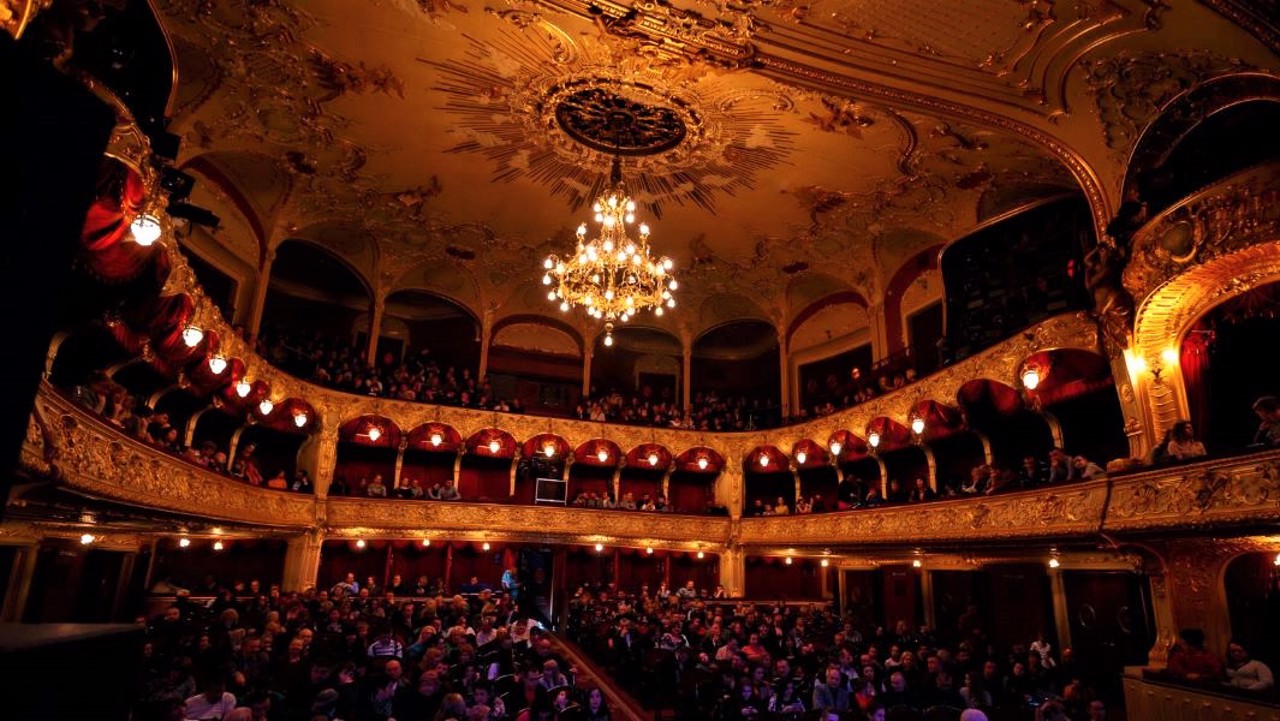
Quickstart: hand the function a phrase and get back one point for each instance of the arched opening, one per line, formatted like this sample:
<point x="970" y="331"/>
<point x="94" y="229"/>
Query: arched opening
<point x="704" y="572"/>
<point x="1252" y="588"/>
<point x="769" y="485"/>
<point x="537" y="363"/>
<point x="311" y="282"/>
<point x="191" y="567"/>
<point x="641" y="570"/>
<point x="636" y="380"/>
<point x="1222" y="361"/>
<point x="368" y="448"/>
<point x="591" y="475"/>
<point x="1014" y="273"/>
<point x="215" y="427"/>
<point x="543" y="457"/>
<point x="692" y="485"/>
<point x="272" y="450"/>
<point x="83" y="354"/>
<point x="1014" y="431"/>
<point x="417" y="569"/>
<point x="955" y="448"/>
<point x="818" y="477"/>
<point x="430" y="453"/>
<point x="902" y="459"/>
<point x="735" y="371"/>
<point x="425" y="331"/>
<point x="642" y="474"/>
<point x="1079" y="392"/>
<point x="584" y="566"/>
<point x="485" y="470"/>
<point x="366" y="560"/>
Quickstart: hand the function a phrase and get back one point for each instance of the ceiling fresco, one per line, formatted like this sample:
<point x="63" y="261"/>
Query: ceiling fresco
<point x="449" y="145"/>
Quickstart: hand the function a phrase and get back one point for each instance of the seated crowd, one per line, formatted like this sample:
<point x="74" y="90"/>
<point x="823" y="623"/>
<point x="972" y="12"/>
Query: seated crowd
<point x="357" y="653"/>
<point x="409" y="489"/>
<point x="732" y="660"/>
<point x="836" y="395"/>
<point x="708" y="411"/>
<point x="118" y="407"/>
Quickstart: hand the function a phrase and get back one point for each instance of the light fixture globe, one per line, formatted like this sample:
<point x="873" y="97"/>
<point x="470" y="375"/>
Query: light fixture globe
<point x="300" y="419"/>
<point x="266" y="406"/>
<point x="494" y="446"/>
<point x="191" y="336"/>
<point x="145" y="229"/>
<point x="612" y="275"/>
<point x="917" y="425"/>
<point x="873" y="439"/>
<point x="243" y="387"/>
<point x="1030" y="377"/>
<point x="703" y="463"/>
<point x="217" y="364"/>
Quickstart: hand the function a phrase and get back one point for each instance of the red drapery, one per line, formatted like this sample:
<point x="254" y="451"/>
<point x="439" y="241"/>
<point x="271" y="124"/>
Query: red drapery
<point x="1195" y="376"/>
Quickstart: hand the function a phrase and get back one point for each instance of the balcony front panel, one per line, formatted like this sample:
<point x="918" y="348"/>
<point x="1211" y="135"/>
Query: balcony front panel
<point x="1231" y="491"/>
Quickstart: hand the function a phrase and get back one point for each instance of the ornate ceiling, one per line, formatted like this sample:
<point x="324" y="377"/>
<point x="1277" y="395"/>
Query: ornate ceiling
<point x="783" y="151"/>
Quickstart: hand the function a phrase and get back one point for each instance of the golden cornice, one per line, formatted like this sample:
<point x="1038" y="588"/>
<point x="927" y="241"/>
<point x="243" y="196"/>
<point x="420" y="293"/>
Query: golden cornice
<point x="15" y="15"/>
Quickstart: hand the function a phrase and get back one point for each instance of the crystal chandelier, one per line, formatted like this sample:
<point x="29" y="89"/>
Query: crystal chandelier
<point x="611" y="275"/>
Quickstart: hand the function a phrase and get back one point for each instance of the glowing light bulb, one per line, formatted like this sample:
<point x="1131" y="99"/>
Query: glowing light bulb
<point x="426" y="542"/>
<point x="917" y="425"/>
<point x="649" y="550"/>
<point x="671" y="302"/>
<point x="701" y="554"/>
<point x="300" y="419"/>
<point x="916" y="563"/>
<point x="653" y="459"/>
<point x="658" y="311"/>
<point x="217" y="546"/>
<point x="494" y="446"/>
<point x="551" y="295"/>
<point x="835" y="448"/>
<point x="145" y="229"/>
<point x="666" y="263"/>
<point x="217" y="364"/>
<point x="602" y="455"/>
<point x="548" y="263"/>
<point x="549" y="451"/>
<point x="702" y="464"/>
<point x="1030" y="378"/>
<point x="243" y="388"/>
<point x="546" y="280"/>
<point x="360" y="543"/>
<point x="266" y="406"/>
<point x="192" y="336"/>
<point x="825" y="563"/>
<point x="608" y="340"/>
<point x="631" y="205"/>
<point x="787" y="560"/>
<point x="436" y="439"/>
<point x="673" y="284"/>
<point x="184" y="542"/>
<point x="1054" y="563"/>
<point x="599" y="547"/>
<point x="375" y="433"/>
<point x="644" y="229"/>
<point x="87" y="538"/>
<point x="801" y="457"/>
<point x="1170" y="356"/>
<point x="764" y="461"/>
<point x="564" y="306"/>
<point x="485" y="546"/>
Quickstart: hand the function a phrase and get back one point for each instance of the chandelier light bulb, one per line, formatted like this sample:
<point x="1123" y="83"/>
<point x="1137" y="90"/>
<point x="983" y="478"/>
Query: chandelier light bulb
<point x="145" y="229"/>
<point x="801" y="457"/>
<point x="242" y="388"/>
<point x="658" y="311"/>
<point x="602" y="455"/>
<point x="835" y="448"/>
<point x="644" y="229"/>
<point x="546" y="280"/>
<point x="192" y="336"/>
<point x="671" y="302"/>
<point x="666" y="263"/>
<point x="608" y="339"/>
<point x="631" y="206"/>
<point x="673" y="284"/>
<point x="564" y="306"/>
<point x="1170" y="356"/>
<point x="436" y="439"/>
<point x="702" y="464"/>
<point x="549" y="263"/>
<point x="551" y="295"/>
<point x="917" y="425"/>
<point x="873" y="438"/>
<point x="300" y="419"/>
<point x="217" y="364"/>
<point x="494" y="446"/>
<point x="653" y="459"/>
<point x="266" y="406"/>
<point x="375" y="433"/>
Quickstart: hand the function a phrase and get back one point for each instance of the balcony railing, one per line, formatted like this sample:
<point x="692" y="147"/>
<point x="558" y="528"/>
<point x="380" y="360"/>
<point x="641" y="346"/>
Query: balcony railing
<point x="70" y="444"/>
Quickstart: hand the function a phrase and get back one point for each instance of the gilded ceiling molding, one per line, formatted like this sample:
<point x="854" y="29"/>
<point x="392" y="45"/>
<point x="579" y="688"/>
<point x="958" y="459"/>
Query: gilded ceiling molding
<point x="1258" y="17"/>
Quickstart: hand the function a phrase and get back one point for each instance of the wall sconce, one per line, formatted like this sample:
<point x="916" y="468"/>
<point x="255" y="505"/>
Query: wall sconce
<point x="916" y="563"/>
<point x="217" y="546"/>
<point x="764" y="460"/>
<point x="602" y="455"/>
<point x="599" y="547"/>
<point x="266" y="406"/>
<point x="300" y="419"/>
<point x="191" y="336"/>
<point x="184" y="542"/>
<point x="917" y="425"/>
<point x="701" y="555"/>
<point x="826" y="562"/>
<point x="1054" y="562"/>
<point x="649" y="550"/>
<point x="873" y="439"/>
<point x="494" y="446"/>
<point x="145" y="229"/>
<point x="426" y="542"/>
<point x="787" y="560"/>
<point x="87" y="538"/>
<point x="360" y="543"/>
<point x="835" y="448"/>
<point x="436" y="439"/>
<point x="243" y="387"/>
<point x="485" y="546"/>
<point x="374" y="433"/>
<point x="801" y="457"/>
<point x="549" y="450"/>
<point x="702" y="463"/>
<point x="217" y="364"/>
<point x="653" y="459"/>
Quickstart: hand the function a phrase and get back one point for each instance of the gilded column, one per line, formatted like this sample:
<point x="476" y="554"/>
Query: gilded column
<point x="588" y="352"/>
<point x="733" y="571"/>
<point x="1061" y="615"/>
<point x="926" y="598"/>
<point x="784" y="367"/>
<point x="253" y="324"/>
<point x="302" y="561"/>
<point x="729" y="488"/>
<point x="486" y="330"/>
<point x="322" y="452"/>
<point x="686" y="368"/>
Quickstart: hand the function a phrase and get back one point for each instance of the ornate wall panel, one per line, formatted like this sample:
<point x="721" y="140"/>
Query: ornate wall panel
<point x="1233" y="491"/>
